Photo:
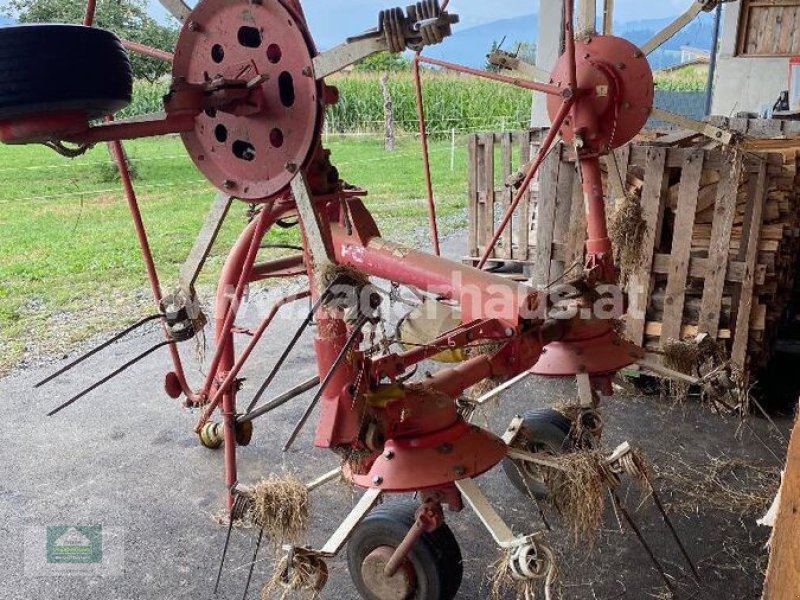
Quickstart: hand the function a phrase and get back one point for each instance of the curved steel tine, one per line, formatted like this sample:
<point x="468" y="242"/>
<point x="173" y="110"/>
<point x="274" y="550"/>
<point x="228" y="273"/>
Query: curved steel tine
<point x="109" y="377"/>
<point x="97" y="349"/>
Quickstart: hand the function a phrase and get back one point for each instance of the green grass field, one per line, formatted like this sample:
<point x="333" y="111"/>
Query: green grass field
<point x="69" y="263"/>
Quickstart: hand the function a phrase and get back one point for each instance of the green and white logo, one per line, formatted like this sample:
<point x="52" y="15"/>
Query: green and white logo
<point x="75" y="544"/>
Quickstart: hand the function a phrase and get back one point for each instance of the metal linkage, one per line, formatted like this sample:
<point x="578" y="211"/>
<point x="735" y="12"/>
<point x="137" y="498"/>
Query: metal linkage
<point x="421" y="25"/>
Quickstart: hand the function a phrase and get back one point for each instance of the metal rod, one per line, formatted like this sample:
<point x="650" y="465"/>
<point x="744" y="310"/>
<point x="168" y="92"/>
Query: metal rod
<point x="404" y="548"/>
<point x="234" y="372"/>
<point x="97" y="349"/>
<point x="712" y="67"/>
<point x="629" y="520"/>
<point x="426" y="157"/>
<point x="545" y="88"/>
<point x="148" y="51"/>
<point x="253" y="563"/>
<point x="109" y="377"/>
<point x="279" y="400"/>
<point x="88" y="15"/>
<point x="303" y="326"/>
<point x="566" y="106"/>
<point x="670" y="526"/>
<point x="769" y="419"/>
<point x="339" y="359"/>
<point x="259" y="227"/>
<point x="227" y="542"/>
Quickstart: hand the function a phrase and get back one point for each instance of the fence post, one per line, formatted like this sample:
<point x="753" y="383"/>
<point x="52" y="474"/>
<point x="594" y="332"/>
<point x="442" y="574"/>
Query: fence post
<point x="388" y="114"/>
<point x="452" y="149"/>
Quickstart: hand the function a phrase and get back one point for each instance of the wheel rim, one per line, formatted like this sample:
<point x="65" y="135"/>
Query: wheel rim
<point x="400" y="586"/>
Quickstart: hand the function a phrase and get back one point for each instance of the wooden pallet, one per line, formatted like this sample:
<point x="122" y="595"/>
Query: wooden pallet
<point x="721" y="252"/>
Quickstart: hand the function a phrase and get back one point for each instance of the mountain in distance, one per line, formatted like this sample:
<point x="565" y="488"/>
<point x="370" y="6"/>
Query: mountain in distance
<point x="470" y="46"/>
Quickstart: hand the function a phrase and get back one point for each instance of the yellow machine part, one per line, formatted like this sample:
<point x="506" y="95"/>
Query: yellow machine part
<point x="428" y="322"/>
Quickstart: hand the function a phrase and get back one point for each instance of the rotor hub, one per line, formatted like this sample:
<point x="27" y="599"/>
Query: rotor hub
<point x="615" y="94"/>
<point x="253" y="149"/>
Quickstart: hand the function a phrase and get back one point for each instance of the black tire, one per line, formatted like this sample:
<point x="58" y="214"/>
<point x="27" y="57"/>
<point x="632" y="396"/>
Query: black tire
<point x="544" y="430"/>
<point x="436" y="557"/>
<point x="60" y="68"/>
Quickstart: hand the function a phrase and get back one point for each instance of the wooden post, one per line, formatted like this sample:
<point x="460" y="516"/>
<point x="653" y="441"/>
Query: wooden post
<point x="587" y="17"/>
<point x="783" y="573"/>
<point x="388" y="114"/>
<point x="608" y="17"/>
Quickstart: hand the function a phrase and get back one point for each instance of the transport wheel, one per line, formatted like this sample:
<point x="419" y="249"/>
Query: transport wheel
<point x="432" y="571"/>
<point x="545" y="431"/>
<point x="62" y="68"/>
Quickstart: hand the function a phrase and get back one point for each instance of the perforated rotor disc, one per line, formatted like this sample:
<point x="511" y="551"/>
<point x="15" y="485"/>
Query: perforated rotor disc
<point x="251" y="157"/>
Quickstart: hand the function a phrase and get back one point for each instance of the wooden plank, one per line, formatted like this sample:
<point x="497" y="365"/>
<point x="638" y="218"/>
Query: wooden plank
<point x="720" y="244"/>
<point x="545" y="217"/>
<point x="682" y="246"/>
<point x="783" y="572"/>
<point x="526" y="206"/>
<point x="576" y="240"/>
<point x="739" y="351"/>
<point x="472" y="193"/>
<point x="656" y="328"/>
<point x="564" y="221"/>
<point x="507" y="195"/>
<point x="488" y="191"/>
<point x="652" y="206"/>
<point x="698" y="268"/>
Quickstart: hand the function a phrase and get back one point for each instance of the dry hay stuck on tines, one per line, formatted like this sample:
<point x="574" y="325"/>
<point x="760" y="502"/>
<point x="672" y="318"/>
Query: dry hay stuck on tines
<point x="727" y="484"/>
<point x="280" y="505"/>
<point x="502" y="579"/>
<point x="690" y="357"/>
<point x="343" y="275"/>
<point x="308" y="576"/>
<point x="628" y="229"/>
<point x="577" y="492"/>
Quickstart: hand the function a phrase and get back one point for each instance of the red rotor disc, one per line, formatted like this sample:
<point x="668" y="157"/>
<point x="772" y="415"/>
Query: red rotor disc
<point x="617" y="82"/>
<point x="255" y="156"/>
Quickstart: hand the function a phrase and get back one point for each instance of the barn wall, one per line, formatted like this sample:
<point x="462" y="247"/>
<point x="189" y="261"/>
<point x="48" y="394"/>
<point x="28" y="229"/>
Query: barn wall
<point x="743" y="83"/>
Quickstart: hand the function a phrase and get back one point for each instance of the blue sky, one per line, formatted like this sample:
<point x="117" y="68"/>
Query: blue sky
<point x="336" y="19"/>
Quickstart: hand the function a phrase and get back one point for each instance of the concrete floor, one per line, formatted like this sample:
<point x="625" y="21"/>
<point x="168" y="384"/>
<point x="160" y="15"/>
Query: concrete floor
<point x="125" y="457"/>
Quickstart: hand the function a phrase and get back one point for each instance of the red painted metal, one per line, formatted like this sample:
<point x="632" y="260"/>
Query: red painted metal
<point x="250" y="133"/>
<point x="254" y="156"/>
<point x="526" y="84"/>
<point x="233" y="280"/>
<point x="148" y="50"/>
<point x="566" y="106"/>
<point x="426" y="155"/>
<point x="617" y="85"/>
<point x="226" y="385"/>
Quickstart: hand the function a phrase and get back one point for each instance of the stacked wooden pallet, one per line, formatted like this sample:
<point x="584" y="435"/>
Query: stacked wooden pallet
<point x="721" y="252"/>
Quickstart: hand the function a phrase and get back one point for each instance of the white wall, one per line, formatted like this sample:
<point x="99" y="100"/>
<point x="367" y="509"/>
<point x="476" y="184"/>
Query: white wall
<point x="548" y="50"/>
<point x="745" y="84"/>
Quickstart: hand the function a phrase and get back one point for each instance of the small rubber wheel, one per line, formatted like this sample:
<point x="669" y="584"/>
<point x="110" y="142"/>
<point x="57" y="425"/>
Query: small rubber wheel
<point x="62" y="68"/>
<point x="543" y="431"/>
<point x="432" y="571"/>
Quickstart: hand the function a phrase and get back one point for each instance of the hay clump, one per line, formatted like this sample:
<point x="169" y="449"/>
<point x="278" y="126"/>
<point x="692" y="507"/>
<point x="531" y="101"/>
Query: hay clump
<point x="731" y="485"/>
<point x="577" y="492"/>
<point x="307" y="576"/>
<point x="280" y="506"/>
<point x="628" y="229"/>
<point x="690" y="357"/>
<point x="341" y="275"/>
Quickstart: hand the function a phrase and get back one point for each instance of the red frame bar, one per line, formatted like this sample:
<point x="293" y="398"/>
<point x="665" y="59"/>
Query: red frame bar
<point x="148" y="51"/>
<point x="535" y="86"/>
<point x="566" y="107"/>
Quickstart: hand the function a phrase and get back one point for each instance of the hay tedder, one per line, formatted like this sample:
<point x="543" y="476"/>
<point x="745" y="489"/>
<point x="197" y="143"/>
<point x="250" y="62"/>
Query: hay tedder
<point x="248" y="98"/>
